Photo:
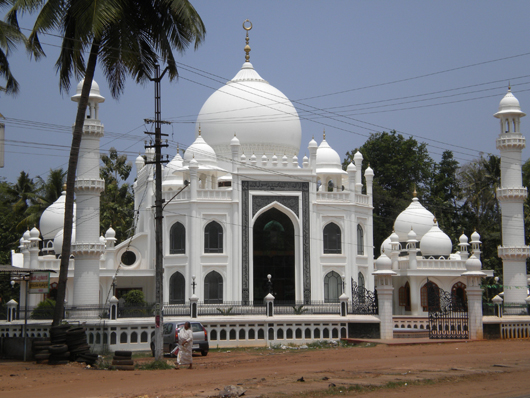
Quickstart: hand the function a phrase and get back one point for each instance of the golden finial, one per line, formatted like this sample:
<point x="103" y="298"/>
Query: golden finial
<point x="199" y="130"/>
<point x="414" y="193"/>
<point x="509" y="86"/>
<point x="434" y="219"/>
<point x="247" y="47"/>
<point x="324" y="135"/>
<point x="64" y="187"/>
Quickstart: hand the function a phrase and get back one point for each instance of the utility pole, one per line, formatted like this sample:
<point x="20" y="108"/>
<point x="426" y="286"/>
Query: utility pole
<point x="159" y="266"/>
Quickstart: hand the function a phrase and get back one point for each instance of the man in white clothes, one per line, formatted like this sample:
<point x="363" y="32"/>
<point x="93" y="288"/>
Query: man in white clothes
<point x="185" y="346"/>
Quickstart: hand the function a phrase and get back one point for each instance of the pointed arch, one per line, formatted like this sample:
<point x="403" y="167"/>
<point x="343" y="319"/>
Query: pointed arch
<point x="177" y="239"/>
<point x="332" y="239"/>
<point x="332" y="287"/>
<point x="213" y="288"/>
<point x="177" y="289"/>
<point x="213" y="238"/>
<point x="360" y="240"/>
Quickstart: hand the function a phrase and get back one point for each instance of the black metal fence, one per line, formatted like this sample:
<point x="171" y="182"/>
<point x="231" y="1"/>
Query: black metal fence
<point x="363" y="301"/>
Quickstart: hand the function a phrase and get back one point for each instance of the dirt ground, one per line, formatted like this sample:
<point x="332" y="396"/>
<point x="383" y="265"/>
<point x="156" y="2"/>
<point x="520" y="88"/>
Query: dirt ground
<point x="470" y="369"/>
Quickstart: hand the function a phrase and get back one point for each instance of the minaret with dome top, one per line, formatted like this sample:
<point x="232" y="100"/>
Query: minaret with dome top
<point x="511" y="196"/>
<point x="88" y="187"/>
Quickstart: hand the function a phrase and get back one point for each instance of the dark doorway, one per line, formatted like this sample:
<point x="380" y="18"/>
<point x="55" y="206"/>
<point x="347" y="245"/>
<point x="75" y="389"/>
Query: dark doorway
<point x="273" y="234"/>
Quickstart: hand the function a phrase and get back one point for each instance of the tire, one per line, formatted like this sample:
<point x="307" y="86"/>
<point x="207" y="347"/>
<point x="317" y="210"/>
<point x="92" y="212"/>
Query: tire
<point x="204" y="353"/>
<point x="123" y="362"/>
<point x="80" y="349"/>
<point x="76" y="343"/>
<point x="123" y="353"/>
<point x="124" y="367"/>
<point x="58" y="348"/>
<point x="76" y="331"/>
<point x="64" y="355"/>
<point x="40" y="357"/>
<point x="40" y="343"/>
<point x="118" y="358"/>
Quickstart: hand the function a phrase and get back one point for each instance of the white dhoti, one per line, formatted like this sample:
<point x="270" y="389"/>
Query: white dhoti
<point x="186" y="344"/>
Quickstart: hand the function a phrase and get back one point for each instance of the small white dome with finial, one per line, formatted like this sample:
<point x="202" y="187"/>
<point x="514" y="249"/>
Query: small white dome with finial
<point x="509" y="104"/>
<point x="110" y="233"/>
<point x="435" y="243"/>
<point x="94" y="96"/>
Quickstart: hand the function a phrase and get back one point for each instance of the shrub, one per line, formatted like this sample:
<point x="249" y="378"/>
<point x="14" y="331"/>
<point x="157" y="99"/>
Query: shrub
<point x="44" y="310"/>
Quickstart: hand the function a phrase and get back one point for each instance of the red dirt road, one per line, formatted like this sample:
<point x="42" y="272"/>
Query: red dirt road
<point x="474" y="369"/>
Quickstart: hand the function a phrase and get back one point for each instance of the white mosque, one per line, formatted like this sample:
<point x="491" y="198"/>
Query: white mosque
<point x="240" y="205"/>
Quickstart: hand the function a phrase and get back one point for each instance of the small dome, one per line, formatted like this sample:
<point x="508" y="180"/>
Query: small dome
<point x="463" y="239"/>
<point x="509" y="104"/>
<point x="52" y="219"/>
<point x="358" y="156"/>
<point x="172" y="174"/>
<point x="201" y="151"/>
<point x="475" y="237"/>
<point x="411" y="236"/>
<point x="351" y="167"/>
<point x="383" y="262"/>
<point x="312" y="143"/>
<point x="194" y="163"/>
<point x="235" y="141"/>
<point x="110" y="233"/>
<point x="328" y="160"/>
<point x="415" y="216"/>
<point x="243" y="158"/>
<point x="369" y="172"/>
<point x="26" y="235"/>
<point x="473" y="264"/>
<point x="455" y="256"/>
<point x="94" y="95"/>
<point x="386" y="246"/>
<point x="102" y="239"/>
<point x="436" y="243"/>
<point x="140" y="163"/>
<point x="34" y="233"/>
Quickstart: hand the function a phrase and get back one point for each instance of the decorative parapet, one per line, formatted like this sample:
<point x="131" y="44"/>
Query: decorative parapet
<point x="513" y="252"/>
<point x="363" y="199"/>
<point x="511" y="140"/>
<point x="93" y="128"/>
<point x="342" y="196"/>
<point x="88" y="249"/>
<point x="512" y="194"/>
<point x="89" y="184"/>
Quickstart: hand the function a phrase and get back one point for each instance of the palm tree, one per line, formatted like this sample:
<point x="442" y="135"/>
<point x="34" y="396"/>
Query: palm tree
<point x="9" y="37"/>
<point x="130" y="37"/>
<point x="23" y="193"/>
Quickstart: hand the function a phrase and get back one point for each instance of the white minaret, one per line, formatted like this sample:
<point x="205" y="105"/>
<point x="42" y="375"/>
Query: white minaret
<point x="88" y="187"/>
<point x="511" y="196"/>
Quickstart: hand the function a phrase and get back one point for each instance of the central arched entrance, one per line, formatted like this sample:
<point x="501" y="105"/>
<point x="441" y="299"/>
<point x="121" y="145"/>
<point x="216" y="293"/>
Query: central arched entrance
<point x="273" y="234"/>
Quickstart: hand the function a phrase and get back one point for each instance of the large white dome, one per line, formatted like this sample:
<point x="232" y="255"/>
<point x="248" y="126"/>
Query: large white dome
<point x="263" y="118"/>
<point x="52" y="219"/>
<point x="509" y="104"/>
<point x="436" y="243"/>
<point x="416" y="217"/>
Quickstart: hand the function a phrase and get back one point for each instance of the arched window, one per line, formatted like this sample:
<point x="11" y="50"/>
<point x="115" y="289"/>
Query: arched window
<point x="332" y="239"/>
<point x="459" y="296"/>
<point x="404" y="296"/>
<point x="213" y="238"/>
<point x="360" y="280"/>
<point x="360" y="240"/>
<point x="332" y="287"/>
<point x="177" y="289"/>
<point x="177" y="239"/>
<point x="213" y="288"/>
<point x="424" y="294"/>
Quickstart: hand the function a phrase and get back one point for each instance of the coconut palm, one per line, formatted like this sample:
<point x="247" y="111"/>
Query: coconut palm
<point x="9" y="37"/>
<point x="129" y="37"/>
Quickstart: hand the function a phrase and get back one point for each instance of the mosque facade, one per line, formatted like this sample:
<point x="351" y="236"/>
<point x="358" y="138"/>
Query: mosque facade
<point x="239" y="206"/>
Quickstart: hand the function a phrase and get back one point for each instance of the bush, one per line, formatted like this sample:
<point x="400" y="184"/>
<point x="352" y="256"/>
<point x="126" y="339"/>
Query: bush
<point x="44" y="310"/>
<point x="135" y="298"/>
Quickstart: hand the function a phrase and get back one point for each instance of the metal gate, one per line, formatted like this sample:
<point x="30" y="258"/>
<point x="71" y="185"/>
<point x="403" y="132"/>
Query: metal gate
<point x="363" y="301"/>
<point x="448" y="317"/>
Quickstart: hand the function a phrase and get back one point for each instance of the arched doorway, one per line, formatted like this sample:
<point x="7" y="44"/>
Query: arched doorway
<point x="273" y="234"/>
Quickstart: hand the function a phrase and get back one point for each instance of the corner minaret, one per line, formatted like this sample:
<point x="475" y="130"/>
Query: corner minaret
<point x="512" y="195"/>
<point x="88" y="187"/>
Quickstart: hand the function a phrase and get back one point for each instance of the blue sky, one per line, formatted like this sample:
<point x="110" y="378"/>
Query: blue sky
<point x="431" y="69"/>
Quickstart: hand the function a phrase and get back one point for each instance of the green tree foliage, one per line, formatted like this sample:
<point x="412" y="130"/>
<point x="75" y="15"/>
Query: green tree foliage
<point x="10" y="36"/>
<point x="399" y="164"/>
<point x="117" y="201"/>
<point x="480" y="209"/>
<point x="129" y="38"/>
<point x="9" y="219"/>
<point x="445" y="195"/>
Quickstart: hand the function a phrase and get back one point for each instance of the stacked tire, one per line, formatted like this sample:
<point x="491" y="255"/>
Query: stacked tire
<point x="41" y="350"/>
<point x="122" y="360"/>
<point x="59" y="354"/>
<point x="78" y="346"/>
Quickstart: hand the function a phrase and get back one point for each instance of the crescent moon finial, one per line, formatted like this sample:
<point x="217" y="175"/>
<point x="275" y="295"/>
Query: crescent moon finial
<point x="247" y="47"/>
